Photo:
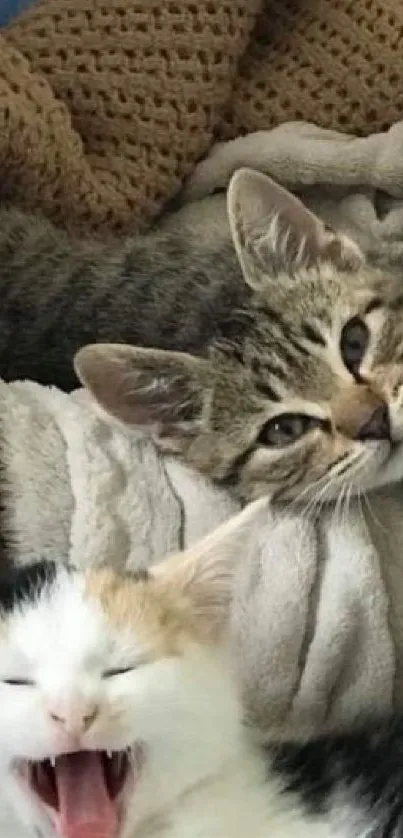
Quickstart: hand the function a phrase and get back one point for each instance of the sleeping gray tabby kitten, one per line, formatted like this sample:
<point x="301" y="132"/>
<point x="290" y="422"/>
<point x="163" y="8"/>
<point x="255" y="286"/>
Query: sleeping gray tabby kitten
<point x="294" y="383"/>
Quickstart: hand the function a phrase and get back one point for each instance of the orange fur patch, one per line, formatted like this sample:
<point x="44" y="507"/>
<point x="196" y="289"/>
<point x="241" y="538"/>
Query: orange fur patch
<point x="152" y="609"/>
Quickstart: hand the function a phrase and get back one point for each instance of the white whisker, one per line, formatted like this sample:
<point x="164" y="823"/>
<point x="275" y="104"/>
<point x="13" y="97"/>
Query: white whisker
<point x="372" y="515"/>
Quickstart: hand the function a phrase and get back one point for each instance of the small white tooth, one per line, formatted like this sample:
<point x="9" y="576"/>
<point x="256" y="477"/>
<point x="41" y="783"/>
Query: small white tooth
<point x="109" y="754"/>
<point x="53" y="762"/>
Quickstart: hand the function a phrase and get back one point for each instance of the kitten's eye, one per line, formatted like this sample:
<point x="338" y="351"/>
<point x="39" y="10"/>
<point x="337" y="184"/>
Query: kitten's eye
<point x="111" y="673"/>
<point x="287" y="428"/>
<point x="18" y="682"/>
<point x="353" y="342"/>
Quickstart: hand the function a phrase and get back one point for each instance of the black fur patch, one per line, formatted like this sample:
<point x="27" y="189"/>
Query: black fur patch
<point x="19" y="585"/>
<point x="365" y="768"/>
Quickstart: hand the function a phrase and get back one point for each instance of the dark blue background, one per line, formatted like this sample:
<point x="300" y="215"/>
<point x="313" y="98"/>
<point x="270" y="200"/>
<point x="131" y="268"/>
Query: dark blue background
<point x="10" y="8"/>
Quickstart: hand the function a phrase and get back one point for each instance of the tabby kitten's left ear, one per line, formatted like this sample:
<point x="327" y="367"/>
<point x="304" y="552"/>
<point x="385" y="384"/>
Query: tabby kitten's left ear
<point x="153" y="388"/>
<point x="274" y="233"/>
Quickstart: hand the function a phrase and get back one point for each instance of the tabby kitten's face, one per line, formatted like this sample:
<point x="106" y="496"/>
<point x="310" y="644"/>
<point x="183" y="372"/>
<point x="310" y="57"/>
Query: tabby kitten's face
<point x="310" y="403"/>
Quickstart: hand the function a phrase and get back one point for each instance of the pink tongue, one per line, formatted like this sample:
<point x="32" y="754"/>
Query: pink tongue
<point x="85" y="807"/>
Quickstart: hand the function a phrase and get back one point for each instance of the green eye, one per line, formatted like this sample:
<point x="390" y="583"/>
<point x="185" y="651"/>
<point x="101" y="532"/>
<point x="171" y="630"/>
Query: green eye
<point x="353" y="343"/>
<point x="287" y="428"/>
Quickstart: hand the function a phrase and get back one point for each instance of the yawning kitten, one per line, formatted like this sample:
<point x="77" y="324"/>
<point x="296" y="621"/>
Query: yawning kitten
<point x="119" y="716"/>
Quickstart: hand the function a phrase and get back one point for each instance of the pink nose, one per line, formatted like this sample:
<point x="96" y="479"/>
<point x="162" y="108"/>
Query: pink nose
<point x="75" y="720"/>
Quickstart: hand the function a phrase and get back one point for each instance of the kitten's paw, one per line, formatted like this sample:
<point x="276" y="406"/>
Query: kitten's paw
<point x="210" y="174"/>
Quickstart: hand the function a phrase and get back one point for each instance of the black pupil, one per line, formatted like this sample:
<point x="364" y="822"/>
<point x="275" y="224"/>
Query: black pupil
<point x="285" y="429"/>
<point x="353" y="342"/>
<point x="289" y="427"/>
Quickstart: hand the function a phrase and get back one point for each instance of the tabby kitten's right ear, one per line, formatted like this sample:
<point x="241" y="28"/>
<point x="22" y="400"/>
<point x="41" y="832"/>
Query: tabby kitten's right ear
<point x="274" y="233"/>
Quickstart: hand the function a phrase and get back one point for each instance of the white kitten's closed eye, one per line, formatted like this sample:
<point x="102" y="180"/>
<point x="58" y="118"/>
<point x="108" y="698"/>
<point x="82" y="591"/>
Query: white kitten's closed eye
<point x="137" y="661"/>
<point x="112" y="673"/>
<point x="108" y="673"/>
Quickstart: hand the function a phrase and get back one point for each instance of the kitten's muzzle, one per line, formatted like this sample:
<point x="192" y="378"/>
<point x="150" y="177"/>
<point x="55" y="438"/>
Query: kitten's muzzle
<point x="359" y="412"/>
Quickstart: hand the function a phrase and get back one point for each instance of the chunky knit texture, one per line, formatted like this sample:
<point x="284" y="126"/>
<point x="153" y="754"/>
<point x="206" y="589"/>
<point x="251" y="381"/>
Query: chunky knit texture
<point x="106" y="106"/>
<point x="338" y="63"/>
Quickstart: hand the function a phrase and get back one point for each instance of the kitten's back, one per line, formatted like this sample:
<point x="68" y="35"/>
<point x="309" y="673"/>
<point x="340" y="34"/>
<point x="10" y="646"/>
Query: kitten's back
<point x="175" y="287"/>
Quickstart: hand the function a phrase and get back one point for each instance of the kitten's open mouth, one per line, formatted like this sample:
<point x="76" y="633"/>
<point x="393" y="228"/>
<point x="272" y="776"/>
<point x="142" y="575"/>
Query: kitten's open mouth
<point x="82" y="791"/>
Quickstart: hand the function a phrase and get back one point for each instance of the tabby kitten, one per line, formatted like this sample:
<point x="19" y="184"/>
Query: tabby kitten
<point x="294" y="381"/>
<point x="166" y="289"/>
<point x="120" y="718"/>
<point x="307" y="402"/>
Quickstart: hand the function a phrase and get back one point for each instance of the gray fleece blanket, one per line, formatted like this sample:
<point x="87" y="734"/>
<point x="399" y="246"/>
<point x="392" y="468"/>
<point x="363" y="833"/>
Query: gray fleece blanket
<point x="353" y="183"/>
<point x="318" y="609"/>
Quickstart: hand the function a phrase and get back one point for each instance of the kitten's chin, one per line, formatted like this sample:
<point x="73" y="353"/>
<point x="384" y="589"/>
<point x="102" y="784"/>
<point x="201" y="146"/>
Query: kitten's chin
<point x="84" y="794"/>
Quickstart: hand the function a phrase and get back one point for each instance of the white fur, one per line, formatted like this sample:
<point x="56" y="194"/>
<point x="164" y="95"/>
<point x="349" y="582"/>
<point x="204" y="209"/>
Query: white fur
<point x="201" y="777"/>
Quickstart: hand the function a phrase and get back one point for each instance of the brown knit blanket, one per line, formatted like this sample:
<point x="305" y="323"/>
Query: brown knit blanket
<point x="106" y="105"/>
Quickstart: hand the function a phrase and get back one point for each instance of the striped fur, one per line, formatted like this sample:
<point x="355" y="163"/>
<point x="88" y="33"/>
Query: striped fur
<point x="260" y="300"/>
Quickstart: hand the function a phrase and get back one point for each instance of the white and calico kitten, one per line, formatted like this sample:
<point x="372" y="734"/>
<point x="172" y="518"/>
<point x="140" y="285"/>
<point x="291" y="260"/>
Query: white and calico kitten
<point x="119" y="716"/>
